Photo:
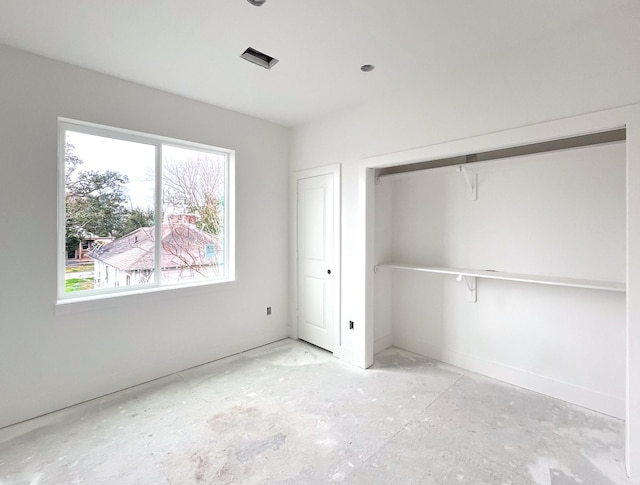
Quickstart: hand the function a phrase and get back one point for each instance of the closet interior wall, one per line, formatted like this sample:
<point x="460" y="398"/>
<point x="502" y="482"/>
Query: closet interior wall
<point x="561" y="214"/>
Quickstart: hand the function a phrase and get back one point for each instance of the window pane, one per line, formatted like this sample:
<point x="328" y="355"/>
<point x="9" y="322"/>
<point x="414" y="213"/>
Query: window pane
<point x="119" y="232"/>
<point x="193" y="204"/>
<point x="109" y="212"/>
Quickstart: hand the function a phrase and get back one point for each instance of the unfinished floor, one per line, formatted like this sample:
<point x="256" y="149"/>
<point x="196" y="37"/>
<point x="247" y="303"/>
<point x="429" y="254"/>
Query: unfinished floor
<point x="291" y="413"/>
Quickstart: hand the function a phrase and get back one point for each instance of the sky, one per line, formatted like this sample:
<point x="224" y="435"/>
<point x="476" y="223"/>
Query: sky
<point x="135" y="160"/>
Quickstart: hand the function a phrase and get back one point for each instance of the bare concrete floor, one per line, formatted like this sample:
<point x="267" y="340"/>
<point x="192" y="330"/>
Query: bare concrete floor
<point x="290" y="413"/>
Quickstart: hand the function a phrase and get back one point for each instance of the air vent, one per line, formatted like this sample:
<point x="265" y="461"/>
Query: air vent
<point x="259" y="58"/>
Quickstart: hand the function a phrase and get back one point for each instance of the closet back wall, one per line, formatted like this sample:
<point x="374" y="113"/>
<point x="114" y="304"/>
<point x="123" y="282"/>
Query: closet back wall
<point x="556" y="214"/>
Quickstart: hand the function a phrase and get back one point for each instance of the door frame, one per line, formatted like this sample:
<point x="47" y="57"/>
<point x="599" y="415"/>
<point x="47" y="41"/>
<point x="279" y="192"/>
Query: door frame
<point x="336" y="269"/>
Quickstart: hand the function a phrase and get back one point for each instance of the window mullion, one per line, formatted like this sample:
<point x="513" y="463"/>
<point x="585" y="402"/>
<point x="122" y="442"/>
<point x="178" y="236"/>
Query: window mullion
<point x="157" y="273"/>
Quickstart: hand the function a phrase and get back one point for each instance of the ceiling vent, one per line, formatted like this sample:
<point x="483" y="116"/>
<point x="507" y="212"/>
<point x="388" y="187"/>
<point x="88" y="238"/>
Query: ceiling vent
<point x="259" y="58"/>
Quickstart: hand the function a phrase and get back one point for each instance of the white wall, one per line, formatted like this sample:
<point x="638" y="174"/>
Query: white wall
<point x="383" y="251"/>
<point x="49" y="360"/>
<point x="557" y="214"/>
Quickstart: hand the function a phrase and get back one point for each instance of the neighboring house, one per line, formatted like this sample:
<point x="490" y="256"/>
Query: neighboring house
<point x="187" y="254"/>
<point x="89" y="243"/>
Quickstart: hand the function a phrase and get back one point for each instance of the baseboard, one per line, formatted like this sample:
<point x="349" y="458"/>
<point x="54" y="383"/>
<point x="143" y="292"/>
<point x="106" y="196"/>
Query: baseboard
<point x="588" y="398"/>
<point x="352" y="357"/>
<point x="382" y="343"/>
<point x="18" y="413"/>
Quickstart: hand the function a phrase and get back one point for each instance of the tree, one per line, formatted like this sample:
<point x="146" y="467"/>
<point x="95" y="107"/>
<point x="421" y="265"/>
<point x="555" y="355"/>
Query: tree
<point x="95" y="201"/>
<point x="195" y="185"/>
<point x="137" y="218"/>
<point x="72" y="162"/>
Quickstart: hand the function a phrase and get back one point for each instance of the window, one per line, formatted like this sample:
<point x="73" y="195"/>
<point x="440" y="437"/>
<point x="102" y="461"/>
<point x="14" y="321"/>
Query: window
<point x="140" y="211"/>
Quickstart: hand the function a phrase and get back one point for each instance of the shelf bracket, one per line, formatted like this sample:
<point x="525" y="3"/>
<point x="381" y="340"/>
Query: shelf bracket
<point x="472" y="183"/>
<point x="472" y="286"/>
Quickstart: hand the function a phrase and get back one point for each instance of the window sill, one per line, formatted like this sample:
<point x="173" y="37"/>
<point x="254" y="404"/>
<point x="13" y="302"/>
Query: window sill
<point x="69" y="306"/>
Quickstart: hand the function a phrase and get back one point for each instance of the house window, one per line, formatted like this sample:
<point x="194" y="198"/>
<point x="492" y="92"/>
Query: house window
<point x="142" y="210"/>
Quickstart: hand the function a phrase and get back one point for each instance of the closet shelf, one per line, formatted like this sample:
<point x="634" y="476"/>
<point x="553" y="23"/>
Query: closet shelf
<point x="525" y="278"/>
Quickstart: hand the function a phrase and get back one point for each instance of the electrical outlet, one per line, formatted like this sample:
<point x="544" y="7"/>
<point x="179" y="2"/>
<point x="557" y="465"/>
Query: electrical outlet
<point x="268" y="310"/>
<point x="350" y="324"/>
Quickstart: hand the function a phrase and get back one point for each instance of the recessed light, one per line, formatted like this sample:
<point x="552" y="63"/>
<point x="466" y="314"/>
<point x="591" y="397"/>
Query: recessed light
<point x="257" y="3"/>
<point x="259" y="58"/>
<point x="367" y="68"/>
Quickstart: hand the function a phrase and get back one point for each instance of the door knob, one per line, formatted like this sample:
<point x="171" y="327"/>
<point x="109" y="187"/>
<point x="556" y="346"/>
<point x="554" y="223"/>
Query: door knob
<point x="328" y="271"/>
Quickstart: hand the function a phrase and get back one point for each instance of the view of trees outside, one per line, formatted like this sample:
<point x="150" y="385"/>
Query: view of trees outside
<point x="193" y="184"/>
<point x="110" y="214"/>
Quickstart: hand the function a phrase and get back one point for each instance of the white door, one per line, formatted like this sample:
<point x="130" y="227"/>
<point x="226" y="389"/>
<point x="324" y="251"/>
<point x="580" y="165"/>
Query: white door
<point x="315" y="261"/>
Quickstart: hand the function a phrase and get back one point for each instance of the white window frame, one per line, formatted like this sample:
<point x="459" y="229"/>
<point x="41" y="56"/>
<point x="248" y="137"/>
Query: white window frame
<point x="66" y="124"/>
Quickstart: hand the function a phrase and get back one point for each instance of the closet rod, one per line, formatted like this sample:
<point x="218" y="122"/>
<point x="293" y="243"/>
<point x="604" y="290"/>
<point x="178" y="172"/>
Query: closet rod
<point x="540" y="147"/>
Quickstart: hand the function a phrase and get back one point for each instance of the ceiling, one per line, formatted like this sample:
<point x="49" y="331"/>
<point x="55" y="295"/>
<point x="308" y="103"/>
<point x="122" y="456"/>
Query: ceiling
<point x="192" y="47"/>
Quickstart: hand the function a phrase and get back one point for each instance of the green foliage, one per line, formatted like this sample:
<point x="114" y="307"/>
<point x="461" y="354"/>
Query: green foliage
<point x="95" y="201"/>
<point x="72" y="162"/>
<point x="210" y="213"/>
<point x="137" y="218"/>
<point x="78" y="284"/>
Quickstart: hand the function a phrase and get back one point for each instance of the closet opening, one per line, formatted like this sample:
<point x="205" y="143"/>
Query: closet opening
<point x="510" y="263"/>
